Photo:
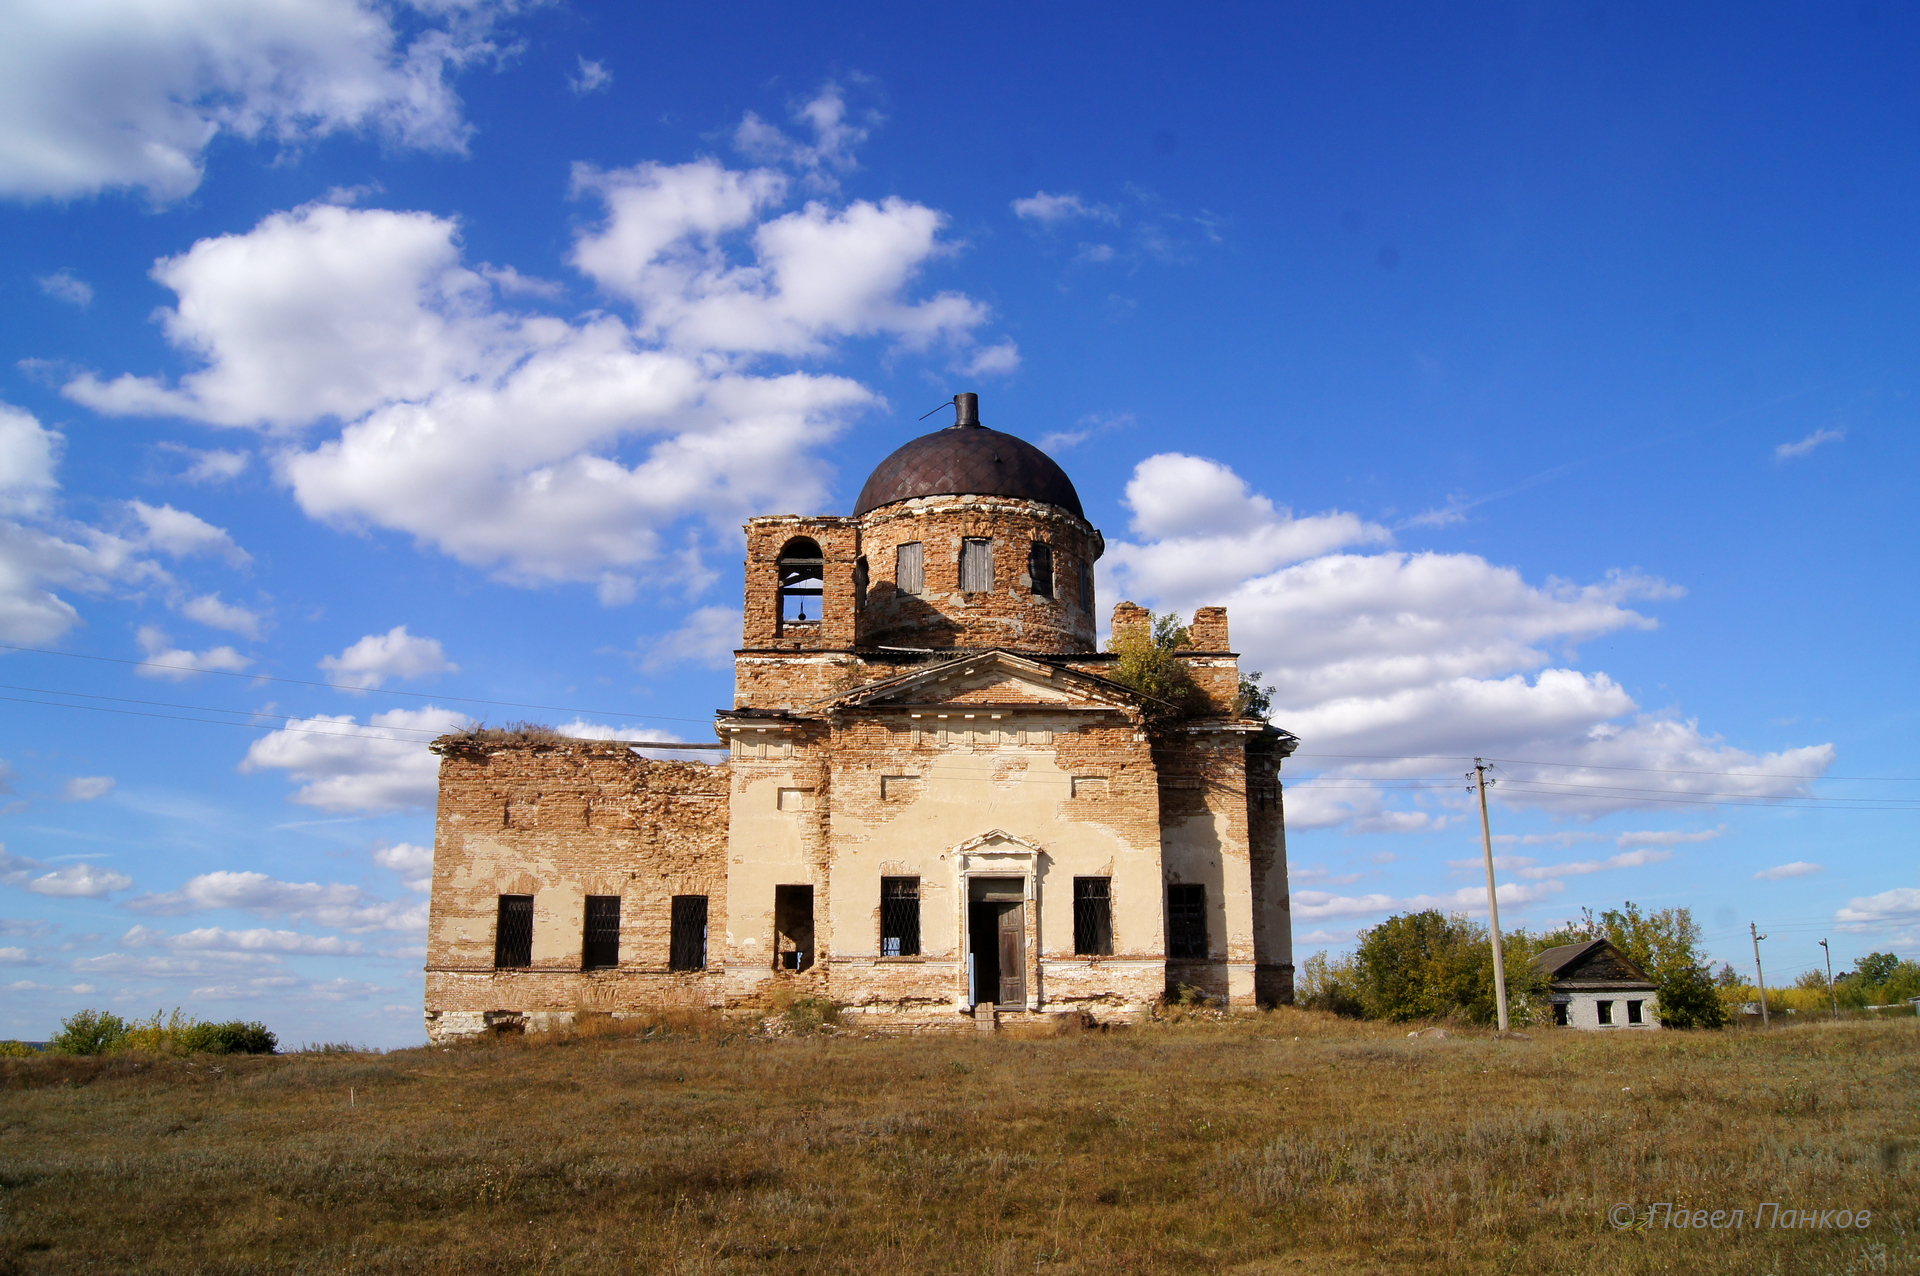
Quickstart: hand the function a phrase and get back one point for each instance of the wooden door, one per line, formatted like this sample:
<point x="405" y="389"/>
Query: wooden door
<point x="1013" y="954"/>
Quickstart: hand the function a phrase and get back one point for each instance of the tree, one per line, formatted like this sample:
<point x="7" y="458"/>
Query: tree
<point x="1429" y="966"/>
<point x="1875" y="968"/>
<point x="1328" y="985"/>
<point x="1256" y="698"/>
<point x="1666" y="945"/>
<point x="89" y="1032"/>
<point x="1147" y="663"/>
<point x="1728" y="976"/>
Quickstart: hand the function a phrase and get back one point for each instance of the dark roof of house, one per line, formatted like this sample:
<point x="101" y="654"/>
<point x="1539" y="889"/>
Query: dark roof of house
<point x="964" y="460"/>
<point x="1591" y="960"/>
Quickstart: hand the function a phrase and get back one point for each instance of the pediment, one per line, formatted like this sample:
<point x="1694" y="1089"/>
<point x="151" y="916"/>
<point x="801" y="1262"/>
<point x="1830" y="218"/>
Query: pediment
<point x="996" y="678"/>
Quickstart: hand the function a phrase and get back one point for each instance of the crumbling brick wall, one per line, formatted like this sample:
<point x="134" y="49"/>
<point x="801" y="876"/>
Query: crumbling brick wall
<point x="561" y="819"/>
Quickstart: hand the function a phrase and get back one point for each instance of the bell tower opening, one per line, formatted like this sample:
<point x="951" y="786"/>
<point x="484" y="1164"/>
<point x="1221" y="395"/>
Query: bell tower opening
<point x="802" y="570"/>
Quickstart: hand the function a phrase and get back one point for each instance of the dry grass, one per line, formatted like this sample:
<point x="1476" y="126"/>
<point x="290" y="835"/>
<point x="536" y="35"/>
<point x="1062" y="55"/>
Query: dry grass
<point x="1289" y="1142"/>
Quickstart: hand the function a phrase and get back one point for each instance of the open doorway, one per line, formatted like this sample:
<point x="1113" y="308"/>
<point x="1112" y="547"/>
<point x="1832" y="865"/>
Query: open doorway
<point x="997" y="941"/>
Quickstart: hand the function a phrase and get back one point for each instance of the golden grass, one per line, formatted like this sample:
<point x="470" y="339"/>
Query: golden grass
<point x="1288" y="1142"/>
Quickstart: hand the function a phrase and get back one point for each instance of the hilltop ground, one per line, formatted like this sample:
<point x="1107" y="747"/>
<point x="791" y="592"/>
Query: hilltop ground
<point x="1289" y="1142"/>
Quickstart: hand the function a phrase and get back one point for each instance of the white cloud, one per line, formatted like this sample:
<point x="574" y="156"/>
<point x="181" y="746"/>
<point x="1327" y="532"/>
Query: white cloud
<point x="336" y="905"/>
<point x="413" y="863"/>
<point x="177" y="664"/>
<point x="210" y="611"/>
<point x="370" y="662"/>
<point x="103" y="94"/>
<point x="1051" y="210"/>
<point x="835" y="136"/>
<point x="1799" y="868"/>
<point x="27" y="454"/>
<point x="707" y="638"/>
<point x="88" y="788"/>
<point x="581" y="729"/>
<point x="1788" y="451"/>
<point x="1669" y="838"/>
<point x="214" y="939"/>
<point x="75" y="881"/>
<point x="1898" y="907"/>
<point x="593" y="77"/>
<point x="342" y="766"/>
<point x="990" y="361"/>
<point x="214" y="465"/>
<point x="1579" y="868"/>
<point x="185" y="535"/>
<point x="65" y="286"/>
<point x="1393" y="659"/>
<point x="1313" y="905"/>
<point x="18" y="957"/>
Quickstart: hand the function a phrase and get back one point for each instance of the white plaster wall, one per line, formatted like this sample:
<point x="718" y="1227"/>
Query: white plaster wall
<point x="1583" y="1010"/>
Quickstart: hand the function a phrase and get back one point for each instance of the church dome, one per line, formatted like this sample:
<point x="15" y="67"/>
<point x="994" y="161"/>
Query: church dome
<point x="966" y="458"/>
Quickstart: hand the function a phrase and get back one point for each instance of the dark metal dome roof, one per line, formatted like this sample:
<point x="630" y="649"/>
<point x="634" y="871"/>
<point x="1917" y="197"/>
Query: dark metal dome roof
<point x="968" y="459"/>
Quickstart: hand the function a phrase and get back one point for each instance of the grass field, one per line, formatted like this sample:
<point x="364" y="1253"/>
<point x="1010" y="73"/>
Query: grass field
<point x="1289" y="1142"/>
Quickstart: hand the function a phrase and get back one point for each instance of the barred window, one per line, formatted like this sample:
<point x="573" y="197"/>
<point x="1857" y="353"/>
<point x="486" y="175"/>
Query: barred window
<point x="601" y="948"/>
<point x="899" y="917"/>
<point x="689" y="941"/>
<point x="976" y="565"/>
<point x="910" y="568"/>
<point x="1093" y="916"/>
<point x="1186" y="921"/>
<point x="1040" y="569"/>
<point x="513" y="935"/>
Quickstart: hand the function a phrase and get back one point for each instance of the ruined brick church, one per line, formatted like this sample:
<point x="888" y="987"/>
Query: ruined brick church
<point x="938" y="807"/>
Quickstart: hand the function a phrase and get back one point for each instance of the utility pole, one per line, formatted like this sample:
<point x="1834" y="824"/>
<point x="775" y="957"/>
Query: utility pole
<point x="1480" y="782"/>
<point x="1766" y="1020"/>
<point x="1830" y="990"/>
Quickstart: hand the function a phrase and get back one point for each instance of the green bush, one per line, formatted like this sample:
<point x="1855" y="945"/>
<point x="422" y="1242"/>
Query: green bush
<point x="89" y="1032"/>
<point x="1147" y="664"/>
<point x="1429" y="966"/>
<point x="16" y="1050"/>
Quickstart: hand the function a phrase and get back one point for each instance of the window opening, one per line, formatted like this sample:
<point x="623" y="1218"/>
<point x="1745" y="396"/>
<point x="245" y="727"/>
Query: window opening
<point x="1093" y="916"/>
<point x="1559" y="1014"/>
<point x="861" y="579"/>
<point x="899" y="917"/>
<point x="976" y="565"/>
<point x="513" y="936"/>
<point x="1040" y="569"/>
<point x="600" y="949"/>
<point x="1606" y="1011"/>
<point x="688" y="950"/>
<point x="1086" y="587"/>
<point x="1633" y="1012"/>
<point x="802" y="573"/>
<point x="910" y="568"/>
<point x="1186" y="921"/>
<point x="792" y="927"/>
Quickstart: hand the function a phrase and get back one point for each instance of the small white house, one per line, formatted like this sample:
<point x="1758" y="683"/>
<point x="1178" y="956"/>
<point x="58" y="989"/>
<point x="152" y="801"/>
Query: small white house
<point x="1597" y="987"/>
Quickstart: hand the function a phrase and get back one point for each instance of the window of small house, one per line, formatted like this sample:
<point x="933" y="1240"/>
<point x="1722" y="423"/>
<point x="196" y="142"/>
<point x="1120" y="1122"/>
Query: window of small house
<point x="688" y="943"/>
<point x="899" y="917"/>
<point x="1186" y="921"/>
<point x="1559" y="1014"/>
<point x="1093" y="916"/>
<point x="1040" y="569"/>
<point x="1606" y="1011"/>
<point x="910" y="568"/>
<point x="976" y="565"/>
<point x="513" y="935"/>
<point x="600" y="946"/>
<point x="802" y="573"/>
<point x="1633" y="1012"/>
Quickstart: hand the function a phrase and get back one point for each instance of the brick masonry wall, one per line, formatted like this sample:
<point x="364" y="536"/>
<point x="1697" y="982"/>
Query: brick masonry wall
<point x="561" y="820"/>
<point x="1267" y="842"/>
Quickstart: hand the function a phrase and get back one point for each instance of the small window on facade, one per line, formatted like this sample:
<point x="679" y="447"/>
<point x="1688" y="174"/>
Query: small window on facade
<point x="1186" y="921"/>
<point x="899" y="917"/>
<point x="910" y="569"/>
<point x="1086" y="587"/>
<point x="861" y="579"/>
<point x="1040" y="569"/>
<point x="1093" y="916"/>
<point x="1633" y="1012"/>
<point x="976" y="565"/>
<point x="1606" y="1011"/>
<point x="513" y="936"/>
<point x="1559" y="1014"/>
<point x="601" y="947"/>
<point x="899" y="788"/>
<point x="689" y="942"/>
<point x="802" y="573"/>
<point x="792" y="927"/>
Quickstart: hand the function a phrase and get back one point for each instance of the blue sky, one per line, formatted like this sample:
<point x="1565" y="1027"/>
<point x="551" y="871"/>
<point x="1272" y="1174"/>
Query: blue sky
<point x="1529" y="381"/>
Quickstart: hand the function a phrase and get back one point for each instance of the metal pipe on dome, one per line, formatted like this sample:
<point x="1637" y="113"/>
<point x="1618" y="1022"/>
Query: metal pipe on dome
<point x="967" y="409"/>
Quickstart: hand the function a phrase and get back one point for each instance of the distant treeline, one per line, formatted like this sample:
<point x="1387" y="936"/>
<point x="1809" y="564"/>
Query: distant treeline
<point x="1428" y="965"/>
<point x="102" y="1032"/>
